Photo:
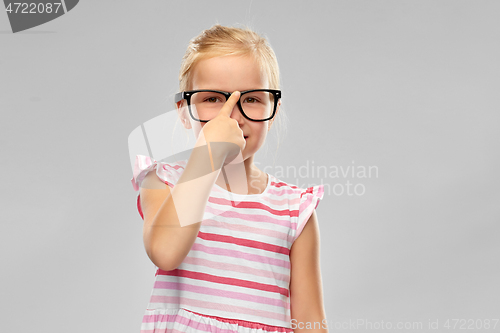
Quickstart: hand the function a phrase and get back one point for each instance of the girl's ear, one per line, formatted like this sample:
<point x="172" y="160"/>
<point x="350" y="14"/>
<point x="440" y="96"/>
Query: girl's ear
<point x="183" y="114"/>
<point x="272" y="120"/>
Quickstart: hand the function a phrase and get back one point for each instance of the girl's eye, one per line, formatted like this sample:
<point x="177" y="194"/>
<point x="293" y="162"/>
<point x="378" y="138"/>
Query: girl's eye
<point x="212" y="99"/>
<point x="250" y="100"/>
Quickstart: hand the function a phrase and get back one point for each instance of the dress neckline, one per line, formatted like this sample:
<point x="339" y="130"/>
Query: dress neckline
<point x="268" y="185"/>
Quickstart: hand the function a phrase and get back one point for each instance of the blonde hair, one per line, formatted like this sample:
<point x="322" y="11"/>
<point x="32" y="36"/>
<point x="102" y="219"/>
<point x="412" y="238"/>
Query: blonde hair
<point x="220" y="41"/>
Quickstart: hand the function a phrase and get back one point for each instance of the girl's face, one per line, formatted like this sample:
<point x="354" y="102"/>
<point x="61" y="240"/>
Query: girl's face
<point x="231" y="73"/>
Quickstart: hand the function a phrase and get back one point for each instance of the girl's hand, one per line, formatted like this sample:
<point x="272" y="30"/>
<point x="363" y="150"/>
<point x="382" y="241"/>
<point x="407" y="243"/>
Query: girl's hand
<point x="223" y="133"/>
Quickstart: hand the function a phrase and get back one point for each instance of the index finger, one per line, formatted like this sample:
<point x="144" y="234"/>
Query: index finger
<point x="230" y="103"/>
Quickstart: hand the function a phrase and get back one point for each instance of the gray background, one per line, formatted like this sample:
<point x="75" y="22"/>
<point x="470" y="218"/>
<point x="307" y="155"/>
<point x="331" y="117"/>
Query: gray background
<point x="410" y="87"/>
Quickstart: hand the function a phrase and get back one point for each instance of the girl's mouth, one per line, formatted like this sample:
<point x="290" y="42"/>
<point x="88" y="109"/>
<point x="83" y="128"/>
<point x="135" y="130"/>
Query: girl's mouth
<point x="245" y="137"/>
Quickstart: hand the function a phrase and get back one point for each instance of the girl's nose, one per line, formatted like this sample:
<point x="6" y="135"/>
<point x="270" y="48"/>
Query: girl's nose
<point x="236" y="114"/>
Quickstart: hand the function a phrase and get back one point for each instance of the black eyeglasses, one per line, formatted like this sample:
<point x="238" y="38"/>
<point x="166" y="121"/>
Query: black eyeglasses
<point x="255" y="105"/>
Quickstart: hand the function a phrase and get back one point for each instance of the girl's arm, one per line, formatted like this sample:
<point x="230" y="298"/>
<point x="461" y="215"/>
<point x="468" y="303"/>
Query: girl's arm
<point x="306" y="292"/>
<point x="172" y="217"/>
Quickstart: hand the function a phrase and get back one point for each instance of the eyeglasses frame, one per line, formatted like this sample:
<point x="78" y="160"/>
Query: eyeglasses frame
<point x="187" y="96"/>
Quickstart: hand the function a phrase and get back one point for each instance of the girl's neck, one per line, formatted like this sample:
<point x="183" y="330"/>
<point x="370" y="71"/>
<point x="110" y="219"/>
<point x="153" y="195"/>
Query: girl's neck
<point x="251" y="181"/>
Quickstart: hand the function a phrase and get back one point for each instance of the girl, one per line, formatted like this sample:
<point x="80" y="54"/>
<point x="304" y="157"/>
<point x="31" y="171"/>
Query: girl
<point x="236" y="249"/>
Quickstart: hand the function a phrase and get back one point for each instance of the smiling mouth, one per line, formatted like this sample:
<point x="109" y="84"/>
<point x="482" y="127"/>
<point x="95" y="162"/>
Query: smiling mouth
<point x="245" y="137"/>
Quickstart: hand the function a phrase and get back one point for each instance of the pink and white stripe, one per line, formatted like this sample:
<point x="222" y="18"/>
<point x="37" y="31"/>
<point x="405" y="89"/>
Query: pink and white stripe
<point x="236" y="276"/>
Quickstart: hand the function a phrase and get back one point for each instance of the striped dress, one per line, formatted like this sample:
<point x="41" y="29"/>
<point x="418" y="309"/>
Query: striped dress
<point x="236" y="276"/>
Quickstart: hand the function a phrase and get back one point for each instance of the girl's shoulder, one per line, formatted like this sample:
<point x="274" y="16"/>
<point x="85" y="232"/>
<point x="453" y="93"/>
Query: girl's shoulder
<point x="168" y="172"/>
<point x="300" y="202"/>
<point x="283" y="188"/>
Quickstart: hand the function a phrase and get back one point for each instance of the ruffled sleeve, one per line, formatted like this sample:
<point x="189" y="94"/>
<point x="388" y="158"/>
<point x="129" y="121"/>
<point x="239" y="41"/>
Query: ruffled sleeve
<point x="309" y="200"/>
<point x="169" y="173"/>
